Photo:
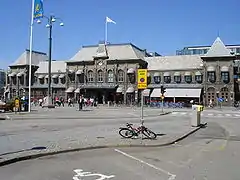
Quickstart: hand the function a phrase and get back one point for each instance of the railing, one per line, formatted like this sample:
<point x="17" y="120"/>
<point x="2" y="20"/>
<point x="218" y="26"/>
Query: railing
<point x="168" y="104"/>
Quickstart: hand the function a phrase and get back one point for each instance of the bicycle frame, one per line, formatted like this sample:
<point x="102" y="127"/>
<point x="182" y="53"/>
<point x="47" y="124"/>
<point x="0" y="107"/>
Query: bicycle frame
<point x="137" y="130"/>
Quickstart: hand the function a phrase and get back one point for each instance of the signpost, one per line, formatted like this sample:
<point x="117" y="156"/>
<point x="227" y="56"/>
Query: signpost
<point x="142" y="84"/>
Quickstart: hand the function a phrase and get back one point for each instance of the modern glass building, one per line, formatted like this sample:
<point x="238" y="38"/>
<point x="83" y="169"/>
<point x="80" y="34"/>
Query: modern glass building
<point x="201" y="50"/>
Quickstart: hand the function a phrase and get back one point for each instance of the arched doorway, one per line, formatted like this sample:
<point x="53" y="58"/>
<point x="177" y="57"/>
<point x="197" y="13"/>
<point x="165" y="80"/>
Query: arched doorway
<point x="224" y="93"/>
<point x="211" y="95"/>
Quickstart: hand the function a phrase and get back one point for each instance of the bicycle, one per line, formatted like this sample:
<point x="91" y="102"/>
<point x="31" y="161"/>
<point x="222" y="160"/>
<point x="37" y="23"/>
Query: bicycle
<point x="129" y="131"/>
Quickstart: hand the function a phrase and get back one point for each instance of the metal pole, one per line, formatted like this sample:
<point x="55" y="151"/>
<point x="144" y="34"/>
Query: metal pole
<point x="142" y="107"/>
<point x="50" y="63"/>
<point x="30" y="60"/>
<point x="162" y="104"/>
<point x="106" y="30"/>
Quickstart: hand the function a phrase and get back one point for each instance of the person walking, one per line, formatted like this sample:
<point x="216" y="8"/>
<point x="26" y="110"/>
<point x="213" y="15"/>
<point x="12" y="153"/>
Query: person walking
<point x="80" y="103"/>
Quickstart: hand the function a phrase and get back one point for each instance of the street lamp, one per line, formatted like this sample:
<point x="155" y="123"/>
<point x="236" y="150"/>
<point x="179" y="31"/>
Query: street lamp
<point x="51" y="20"/>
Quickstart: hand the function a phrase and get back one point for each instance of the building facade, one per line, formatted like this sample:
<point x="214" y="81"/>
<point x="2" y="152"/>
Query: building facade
<point x="18" y="74"/>
<point x="2" y="82"/>
<point x="108" y="73"/>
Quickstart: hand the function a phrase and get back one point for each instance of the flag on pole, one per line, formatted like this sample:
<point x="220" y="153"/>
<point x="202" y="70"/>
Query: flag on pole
<point x="38" y="9"/>
<point x="108" y="20"/>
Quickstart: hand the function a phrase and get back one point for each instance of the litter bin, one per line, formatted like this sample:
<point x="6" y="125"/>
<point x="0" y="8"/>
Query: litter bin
<point x="196" y="115"/>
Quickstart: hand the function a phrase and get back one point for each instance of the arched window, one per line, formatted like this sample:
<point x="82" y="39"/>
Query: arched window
<point x="120" y="76"/>
<point x="211" y="74"/>
<point x="100" y="76"/>
<point x="188" y="77"/>
<point x="110" y="76"/>
<point x="90" y="76"/>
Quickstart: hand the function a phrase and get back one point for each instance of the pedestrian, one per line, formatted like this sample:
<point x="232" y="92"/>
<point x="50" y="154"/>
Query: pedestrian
<point x="80" y="103"/>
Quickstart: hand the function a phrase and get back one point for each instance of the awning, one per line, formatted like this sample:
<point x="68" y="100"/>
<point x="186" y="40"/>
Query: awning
<point x="177" y="74"/>
<point x="12" y="74"/>
<point x="187" y="74"/>
<point x="119" y="89"/>
<point x="79" y="72"/>
<point x="166" y="74"/>
<point x="40" y="76"/>
<point x="156" y="74"/>
<point x="130" y="90"/>
<point x="210" y="68"/>
<point x="55" y="76"/>
<point x="77" y="90"/>
<point x="46" y="76"/>
<point x="224" y="69"/>
<point x="146" y="92"/>
<point x="20" y="74"/>
<point x="70" y="90"/>
<point x="193" y="93"/>
<point x="131" y="71"/>
<point x="62" y="76"/>
<point x="198" y="73"/>
<point x="156" y="93"/>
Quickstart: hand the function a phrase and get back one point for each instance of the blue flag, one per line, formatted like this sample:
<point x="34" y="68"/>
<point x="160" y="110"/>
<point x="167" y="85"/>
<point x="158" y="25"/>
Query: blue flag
<point x="38" y="9"/>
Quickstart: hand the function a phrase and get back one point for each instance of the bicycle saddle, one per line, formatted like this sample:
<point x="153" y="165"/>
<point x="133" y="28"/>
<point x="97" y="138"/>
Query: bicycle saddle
<point x="129" y="124"/>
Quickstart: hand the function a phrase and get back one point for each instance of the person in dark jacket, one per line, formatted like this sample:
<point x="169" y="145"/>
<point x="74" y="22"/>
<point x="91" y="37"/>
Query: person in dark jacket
<point x="80" y="103"/>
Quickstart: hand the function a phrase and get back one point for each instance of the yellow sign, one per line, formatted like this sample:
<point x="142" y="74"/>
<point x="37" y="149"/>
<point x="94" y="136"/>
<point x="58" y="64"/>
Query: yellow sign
<point x="162" y="97"/>
<point x="17" y="103"/>
<point x="142" y="78"/>
<point x="200" y="108"/>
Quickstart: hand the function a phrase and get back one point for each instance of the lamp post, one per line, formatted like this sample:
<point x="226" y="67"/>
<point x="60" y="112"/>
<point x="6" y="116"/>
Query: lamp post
<point x="51" y="20"/>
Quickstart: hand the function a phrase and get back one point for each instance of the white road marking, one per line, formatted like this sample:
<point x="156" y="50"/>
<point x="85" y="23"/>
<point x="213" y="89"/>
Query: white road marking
<point x="172" y="176"/>
<point x="228" y="115"/>
<point x="237" y="115"/>
<point x="80" y="173"/>
<point x="174" y="113"/>
<point x="210" y="114"/>
<point x="183" y="113"/>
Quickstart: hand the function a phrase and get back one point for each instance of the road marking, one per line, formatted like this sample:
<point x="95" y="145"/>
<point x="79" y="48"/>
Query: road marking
<point x="174" y="113"/>
<point x="228" y="115"/>
<point x="172" y="176"/>
<point x="210" y="114"/>
<point x="238" y="115"/>
<point x="80" y="173"/>
<point x="183" y="113"/>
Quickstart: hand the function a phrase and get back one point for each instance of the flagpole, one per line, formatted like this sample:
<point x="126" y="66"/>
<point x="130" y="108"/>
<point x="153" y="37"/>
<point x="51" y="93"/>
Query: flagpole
<point x="106" y="30"/>
<point x="30" y="60"/>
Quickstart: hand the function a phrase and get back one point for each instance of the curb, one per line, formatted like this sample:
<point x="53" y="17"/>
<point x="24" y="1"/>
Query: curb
<point x="38" y="155"/>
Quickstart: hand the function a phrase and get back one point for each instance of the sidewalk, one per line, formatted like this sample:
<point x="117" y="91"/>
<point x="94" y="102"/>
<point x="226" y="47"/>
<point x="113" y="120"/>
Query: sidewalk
<point x="61" y="135"/>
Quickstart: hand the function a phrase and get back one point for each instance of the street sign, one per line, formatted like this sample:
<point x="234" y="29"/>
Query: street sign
<point x="142" y="78"/>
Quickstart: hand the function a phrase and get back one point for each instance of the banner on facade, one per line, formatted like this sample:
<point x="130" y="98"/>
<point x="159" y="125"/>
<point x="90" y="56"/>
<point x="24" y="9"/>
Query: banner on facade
<point x="142" y="78"/>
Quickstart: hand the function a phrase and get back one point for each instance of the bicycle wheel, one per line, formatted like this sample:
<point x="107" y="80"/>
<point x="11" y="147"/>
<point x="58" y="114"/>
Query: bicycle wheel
<point x="149" y="134"/>
<point x="126" y="133"/>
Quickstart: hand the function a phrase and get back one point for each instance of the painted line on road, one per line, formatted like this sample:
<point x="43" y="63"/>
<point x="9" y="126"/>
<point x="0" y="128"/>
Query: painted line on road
<point x="172" y="176"/>
<point x="210" y="114"/>
<point x="228" y="115"/>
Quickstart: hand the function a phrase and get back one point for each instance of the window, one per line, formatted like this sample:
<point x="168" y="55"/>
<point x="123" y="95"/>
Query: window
<point x="90" y="76"/>
<point x="41" y="80"/>
<point x="177" y="79"/>
<point x="157" y="79"/>
<point x="211" y="76"/>
<point x="100" y="76"/>
<point x="188" y="79"/>
<point x="120" y="76"/>
<point x="55" y="80"/>
<point x="225" y="77"/>
<point x="167" y="79"/>
<point x="63" y="80"/>
<point x="198" y="78"/>
<point x="110" y="76"/>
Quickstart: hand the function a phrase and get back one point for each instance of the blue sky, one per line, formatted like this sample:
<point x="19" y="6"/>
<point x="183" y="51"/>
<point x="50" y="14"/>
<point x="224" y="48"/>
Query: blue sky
<point x="156" y="25"/>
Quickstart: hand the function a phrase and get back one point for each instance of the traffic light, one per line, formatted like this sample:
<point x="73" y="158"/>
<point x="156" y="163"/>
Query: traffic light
<point x="163" y="90"/>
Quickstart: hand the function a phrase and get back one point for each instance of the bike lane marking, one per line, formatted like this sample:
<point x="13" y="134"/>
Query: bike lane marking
<point x="171" y="176"/>
<point x="80" y="173"/>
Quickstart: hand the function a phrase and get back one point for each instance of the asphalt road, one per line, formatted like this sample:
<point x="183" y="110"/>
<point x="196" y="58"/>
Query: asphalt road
<point x="211" y="153"/>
